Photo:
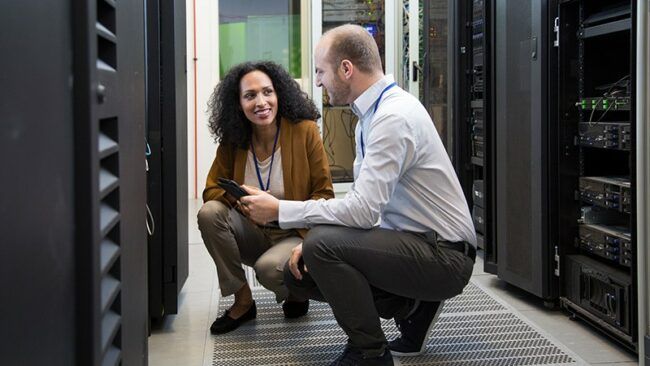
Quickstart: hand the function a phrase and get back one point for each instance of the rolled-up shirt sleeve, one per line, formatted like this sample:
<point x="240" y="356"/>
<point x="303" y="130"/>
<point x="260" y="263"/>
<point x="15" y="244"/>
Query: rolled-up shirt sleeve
<point x="387" y="157"/>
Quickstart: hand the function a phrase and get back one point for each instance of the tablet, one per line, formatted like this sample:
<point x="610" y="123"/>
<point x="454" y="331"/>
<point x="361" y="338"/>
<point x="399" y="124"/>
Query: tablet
<point x="232" y="188"/>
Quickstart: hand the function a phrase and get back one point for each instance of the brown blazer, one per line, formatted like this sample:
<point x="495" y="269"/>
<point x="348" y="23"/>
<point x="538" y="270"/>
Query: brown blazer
<point x="305" y="167"/>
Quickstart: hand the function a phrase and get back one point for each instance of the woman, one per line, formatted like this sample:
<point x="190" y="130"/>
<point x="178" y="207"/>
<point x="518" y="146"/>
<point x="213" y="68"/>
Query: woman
<point x="267" y="137"/>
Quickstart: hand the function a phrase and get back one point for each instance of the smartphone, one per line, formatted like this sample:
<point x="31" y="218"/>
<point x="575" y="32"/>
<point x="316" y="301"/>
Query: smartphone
<point x="232" y="188"/>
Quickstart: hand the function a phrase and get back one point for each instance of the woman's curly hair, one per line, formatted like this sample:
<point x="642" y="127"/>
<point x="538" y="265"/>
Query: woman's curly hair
<point x="227" y="121"/>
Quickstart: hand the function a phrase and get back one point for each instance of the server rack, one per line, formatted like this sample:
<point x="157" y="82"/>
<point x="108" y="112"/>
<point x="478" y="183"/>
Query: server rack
<point x="167" y="191"/>
<point x="523" y="162"/>
<point x="596" y="173"/>
<point x="473" y="136"/>
<point x="558" y="164"/>
<point x="476" y="118"/>
<point x="110" y="182"/>
<point x="73" y="138"/>
<point x="503" y="139"/>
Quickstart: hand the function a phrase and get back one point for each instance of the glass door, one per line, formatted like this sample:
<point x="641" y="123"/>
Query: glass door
<point x="394" y="26"/>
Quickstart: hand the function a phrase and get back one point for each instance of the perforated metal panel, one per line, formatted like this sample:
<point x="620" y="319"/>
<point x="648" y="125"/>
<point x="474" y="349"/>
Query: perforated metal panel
<point x="474" y="329"/>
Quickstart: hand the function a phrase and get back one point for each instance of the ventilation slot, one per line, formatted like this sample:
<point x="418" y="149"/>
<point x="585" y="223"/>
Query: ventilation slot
<point x="106" y="15"/>
<point x="106" y="31"/>
<point x="109" y="248"/>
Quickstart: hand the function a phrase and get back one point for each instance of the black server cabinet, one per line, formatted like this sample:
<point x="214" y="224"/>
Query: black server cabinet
<point x="524" y="233"/>
<point x="73" y="253"/>
<point x="110" y="181"/>
<point x="596" y="173"/>
<point x="167" y="163"/>
<point x="37" y="249"/>
<point x="473" y="129"/>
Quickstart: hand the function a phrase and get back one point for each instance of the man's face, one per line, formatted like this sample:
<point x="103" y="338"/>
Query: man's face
<point x="331" y="77"/>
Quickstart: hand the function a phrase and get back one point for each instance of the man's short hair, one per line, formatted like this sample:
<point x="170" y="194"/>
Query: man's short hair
<point x="353" y="43"/>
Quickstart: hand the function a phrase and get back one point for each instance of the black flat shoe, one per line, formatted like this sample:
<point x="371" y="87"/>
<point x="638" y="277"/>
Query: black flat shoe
<point x="295" y="309"/>
<point x="225" y="323"/>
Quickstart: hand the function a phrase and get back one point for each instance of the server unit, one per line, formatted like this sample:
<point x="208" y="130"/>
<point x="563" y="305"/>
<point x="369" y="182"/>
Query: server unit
<point x="596" y="169"/>
<point x="598" y="292"/>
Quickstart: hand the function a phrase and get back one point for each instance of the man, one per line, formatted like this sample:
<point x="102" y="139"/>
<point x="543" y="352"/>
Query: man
<point x="423" y="249"/>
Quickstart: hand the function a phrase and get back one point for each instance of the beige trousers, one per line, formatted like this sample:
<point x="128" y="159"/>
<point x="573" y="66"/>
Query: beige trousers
<point x="232" y="239"/>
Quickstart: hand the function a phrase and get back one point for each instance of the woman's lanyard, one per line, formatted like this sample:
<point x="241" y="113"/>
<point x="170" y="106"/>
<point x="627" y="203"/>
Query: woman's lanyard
<point x="363" y="146"/>
<point x="257" y="166"/>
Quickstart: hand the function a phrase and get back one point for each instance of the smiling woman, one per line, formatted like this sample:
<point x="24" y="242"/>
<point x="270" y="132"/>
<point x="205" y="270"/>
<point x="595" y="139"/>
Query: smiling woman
<point x="268" y="139"/>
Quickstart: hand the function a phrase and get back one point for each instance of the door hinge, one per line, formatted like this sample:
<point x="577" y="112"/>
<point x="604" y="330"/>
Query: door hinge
<point x="556" y="259"/>
<point x="556" y="30"/>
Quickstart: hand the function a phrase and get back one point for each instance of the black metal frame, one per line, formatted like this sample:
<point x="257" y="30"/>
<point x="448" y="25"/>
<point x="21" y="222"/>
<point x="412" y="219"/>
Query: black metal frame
<point x="87" y="256"/>
<point x="491" y="253"/>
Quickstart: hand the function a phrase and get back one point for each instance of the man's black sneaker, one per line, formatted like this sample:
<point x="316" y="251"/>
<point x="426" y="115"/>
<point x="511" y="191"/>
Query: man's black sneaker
<point x="415" y="329"/>
<point x="354" y="357"/>
<point x="295" y="309"/>
<point x="225" y="323"/>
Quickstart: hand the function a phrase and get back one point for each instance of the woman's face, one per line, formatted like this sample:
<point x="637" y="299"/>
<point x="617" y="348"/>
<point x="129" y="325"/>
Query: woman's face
<point x="257" y="98"/>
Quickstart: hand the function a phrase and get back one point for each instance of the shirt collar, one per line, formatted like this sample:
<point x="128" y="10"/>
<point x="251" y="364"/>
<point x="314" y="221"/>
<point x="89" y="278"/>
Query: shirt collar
<point x="366" y="100"/>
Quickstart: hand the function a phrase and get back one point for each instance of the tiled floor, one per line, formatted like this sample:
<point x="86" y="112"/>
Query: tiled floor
<point x="184" y="339"/>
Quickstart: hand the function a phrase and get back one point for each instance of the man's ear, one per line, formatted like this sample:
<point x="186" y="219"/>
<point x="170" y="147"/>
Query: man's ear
<point x="347" y="68"/>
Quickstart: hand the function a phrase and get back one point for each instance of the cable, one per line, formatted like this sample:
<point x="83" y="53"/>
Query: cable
<point x="607" y="94"/>
<point x="150" y="228"/>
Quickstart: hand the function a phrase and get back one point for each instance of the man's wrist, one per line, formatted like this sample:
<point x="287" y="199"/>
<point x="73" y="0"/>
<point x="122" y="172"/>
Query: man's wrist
<point x="290" y="214"/>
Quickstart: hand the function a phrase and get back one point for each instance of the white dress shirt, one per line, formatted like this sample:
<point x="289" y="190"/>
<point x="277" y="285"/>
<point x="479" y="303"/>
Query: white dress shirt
<point x="404" y="182"/>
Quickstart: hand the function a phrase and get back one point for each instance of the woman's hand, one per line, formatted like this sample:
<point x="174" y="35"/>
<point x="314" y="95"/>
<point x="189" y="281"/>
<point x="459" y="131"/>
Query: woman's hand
<point x="242" y="209"/>
<point x="259" y="206"/>
<point x="294" y="261"/>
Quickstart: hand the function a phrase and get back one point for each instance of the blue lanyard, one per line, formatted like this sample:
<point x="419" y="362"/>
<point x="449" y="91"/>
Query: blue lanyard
<point x="257" y="166"/>
<point x="363" y="146"/>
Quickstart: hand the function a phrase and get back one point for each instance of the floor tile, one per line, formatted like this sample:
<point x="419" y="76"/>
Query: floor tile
<point x="517" y="298"/>
<point x="586" y="342"/>
<point x="184" y="339"/>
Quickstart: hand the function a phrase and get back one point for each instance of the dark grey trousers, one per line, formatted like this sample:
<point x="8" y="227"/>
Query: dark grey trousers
<point x="367" y="274"/>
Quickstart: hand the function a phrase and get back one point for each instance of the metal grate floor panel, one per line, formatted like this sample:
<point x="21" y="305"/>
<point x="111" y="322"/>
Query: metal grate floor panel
<point x="475" y="329"/>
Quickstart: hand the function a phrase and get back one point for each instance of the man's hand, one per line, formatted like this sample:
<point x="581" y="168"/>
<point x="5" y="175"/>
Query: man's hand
<point x="259" y="206"/>
<point x="294" y="260"/>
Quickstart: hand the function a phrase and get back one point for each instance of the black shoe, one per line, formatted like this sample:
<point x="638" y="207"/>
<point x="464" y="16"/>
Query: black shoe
<point x="415" y="329"/>
<point x="354" y="357"/>
<point x="295" y="309"/>
<point x="225" y="323"/>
